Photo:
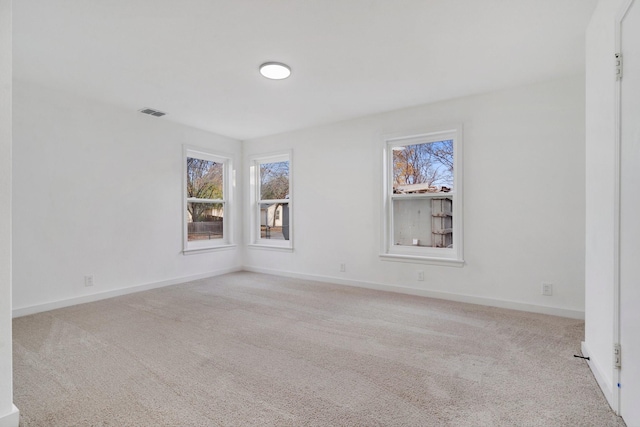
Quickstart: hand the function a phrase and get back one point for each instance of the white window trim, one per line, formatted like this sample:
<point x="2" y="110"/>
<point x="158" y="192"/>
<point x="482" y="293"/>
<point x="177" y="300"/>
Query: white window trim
<point x="228" y="191"/>
<point x="255" y="241"/>
<point x="436" y="256"/>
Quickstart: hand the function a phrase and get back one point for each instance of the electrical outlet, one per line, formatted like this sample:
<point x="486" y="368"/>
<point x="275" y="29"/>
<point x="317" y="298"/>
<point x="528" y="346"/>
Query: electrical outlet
<point x="421" y="275"/>
<point x="547" y="289"/>
<point x="88" y="280"/>
<point x="343" y="267"/>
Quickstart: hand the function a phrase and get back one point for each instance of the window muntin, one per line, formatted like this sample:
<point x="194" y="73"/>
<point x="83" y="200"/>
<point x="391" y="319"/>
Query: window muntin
<point x="207" y="201"/>
<point x="271" y="199"/>
<point x="423" y="197"/>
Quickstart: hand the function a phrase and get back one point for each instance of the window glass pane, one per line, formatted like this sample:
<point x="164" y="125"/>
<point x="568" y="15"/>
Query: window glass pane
<point x="205" y="221"/>
<point x="423" y="222"/>
<point x="423" y="168"/>
<point x="274" y="180"/>
<point x="274" y="221"/>
<point x="204" y="178"/>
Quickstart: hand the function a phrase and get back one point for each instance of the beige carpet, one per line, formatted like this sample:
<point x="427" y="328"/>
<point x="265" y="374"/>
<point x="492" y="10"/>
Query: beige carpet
<point x="248" y="349"/>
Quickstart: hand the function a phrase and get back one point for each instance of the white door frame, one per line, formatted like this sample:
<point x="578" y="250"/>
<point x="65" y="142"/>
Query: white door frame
<point x="616" y="236"/>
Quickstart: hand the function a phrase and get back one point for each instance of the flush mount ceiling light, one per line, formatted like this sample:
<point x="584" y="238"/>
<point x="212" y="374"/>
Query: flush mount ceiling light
<point x="275" y="70"/>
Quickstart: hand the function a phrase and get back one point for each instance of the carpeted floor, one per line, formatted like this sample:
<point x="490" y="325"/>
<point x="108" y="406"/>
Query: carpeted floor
<point x="247" y="349"/>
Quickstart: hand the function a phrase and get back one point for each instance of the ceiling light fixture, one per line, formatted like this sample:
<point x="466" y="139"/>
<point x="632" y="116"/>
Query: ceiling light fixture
<point x="275" y="70"/>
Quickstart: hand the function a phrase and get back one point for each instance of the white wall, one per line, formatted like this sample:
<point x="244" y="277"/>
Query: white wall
<point x="600" y="189"/>
<point x="523" y="199"/>
<point x="98" y="191"/>
<point x="8" y="413"/>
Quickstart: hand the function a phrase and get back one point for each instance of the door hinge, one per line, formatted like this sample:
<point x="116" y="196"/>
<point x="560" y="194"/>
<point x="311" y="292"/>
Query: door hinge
<point x="617" y="356"/>
<point x="618" y="66"/>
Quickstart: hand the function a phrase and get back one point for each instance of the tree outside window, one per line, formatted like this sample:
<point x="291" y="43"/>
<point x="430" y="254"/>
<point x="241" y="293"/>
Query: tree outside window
<point x="206" y="201"/>
<point x="271" y="195"/>
<point x="423" y="216"/>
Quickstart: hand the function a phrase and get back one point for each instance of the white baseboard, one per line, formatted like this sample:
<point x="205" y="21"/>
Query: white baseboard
<point x="513" y="305"/>
<point x="606" y="386"/>
<point x="39" y="308"/>
<point x="12" y="419"/>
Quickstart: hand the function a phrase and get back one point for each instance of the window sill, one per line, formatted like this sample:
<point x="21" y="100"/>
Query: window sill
<point x="448" y="262"/>
<point x="270" y="247"/>
<point x="209" y="249"/>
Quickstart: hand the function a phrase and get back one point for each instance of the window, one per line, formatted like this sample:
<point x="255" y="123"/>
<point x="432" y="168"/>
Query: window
<point x="271" y="201"/>
<point x="207" y="201"/>
<point x="423" y="197"/>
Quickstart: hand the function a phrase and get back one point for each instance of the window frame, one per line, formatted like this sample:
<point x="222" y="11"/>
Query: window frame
<point x="429" y="255"/>
<point x="256" y="240"/>
<point x="228" y="191"/>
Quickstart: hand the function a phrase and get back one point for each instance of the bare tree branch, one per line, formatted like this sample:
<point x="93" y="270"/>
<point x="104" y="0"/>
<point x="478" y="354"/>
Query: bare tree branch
<point x="427" y="163"/>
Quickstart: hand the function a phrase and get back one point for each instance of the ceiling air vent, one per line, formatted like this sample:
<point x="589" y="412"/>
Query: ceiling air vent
<point x="152" y="112"/>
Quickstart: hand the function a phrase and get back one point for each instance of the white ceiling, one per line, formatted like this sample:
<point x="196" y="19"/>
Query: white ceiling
<point x="198" y="60"/>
